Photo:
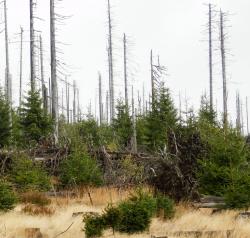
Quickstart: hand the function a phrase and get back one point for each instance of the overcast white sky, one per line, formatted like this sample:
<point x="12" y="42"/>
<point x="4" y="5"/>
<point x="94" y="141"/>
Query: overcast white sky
<point x="174" y="29"/>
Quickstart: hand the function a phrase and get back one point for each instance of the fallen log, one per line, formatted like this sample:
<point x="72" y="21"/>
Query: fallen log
<point x="198" y="234"/>
<point x="209" y="205"/>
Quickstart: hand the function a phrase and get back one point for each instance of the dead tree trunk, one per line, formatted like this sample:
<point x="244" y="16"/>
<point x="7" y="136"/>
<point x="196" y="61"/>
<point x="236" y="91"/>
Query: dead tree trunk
<point x="100" y="100"/>
<point x="54" y="90"/>
<point x="247" y="116"/>
<point x="8" y="83"/>
<point x="44" y="89"/>
<point x="125" y="68"/>
<point x="74" y="101"/>
<point x="111" y="70"/>
<point x="210" y="58"/>
<point x="32" y="47"/>
<point x="21" y="68"/>
<point x="134" y="139"/>
<point x="238" y="113"/>
<point x="223" y="63"/>
<point x="152" y="77"/>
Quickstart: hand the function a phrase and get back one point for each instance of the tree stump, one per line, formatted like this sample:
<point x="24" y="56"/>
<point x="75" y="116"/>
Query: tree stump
<point x="33" y="233"/>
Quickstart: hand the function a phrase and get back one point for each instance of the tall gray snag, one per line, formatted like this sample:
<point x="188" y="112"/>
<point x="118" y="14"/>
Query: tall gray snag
<point x="54" y="90"/>
<point x="152" y="77"/>
<point x="21" y="67"/>
<point x="8" y="83"/>
<point x="247" y="116"/>
<point x="32" y="47"/>
<point x="223" y="64"/>
<point x="44" y="89"/>
<point x="111" y="70"/>
<point x="125" y="67"/>
<point x="74" y="101"/>
<point x="134" y="138"/>
<point x="210" y="58"/>
<point x="100" y="100"/>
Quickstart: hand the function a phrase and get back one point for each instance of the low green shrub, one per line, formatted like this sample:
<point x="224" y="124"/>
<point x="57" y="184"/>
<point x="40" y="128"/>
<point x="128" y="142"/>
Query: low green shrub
<point x="112" y="217"/>
<point x="79" y="169"/>
<point x="94" y="225"/>
<point x="145" y="199"/>
<point x="237" y="195"/>
<point x="28" y="175"/>
<point x="165" y="206"/>
<point x="135" y="217"/>
<point x="7" y="197"/>
<point x="131" y="216"/>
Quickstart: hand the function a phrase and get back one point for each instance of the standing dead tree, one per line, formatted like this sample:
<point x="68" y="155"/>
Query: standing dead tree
<point x="247" y="116"/>
<point x="125" y="67"/>
<point x="53" y="63"/>
<point x="223" y="64"/>
<point x="100" y="100"/>
<point x="238" y="113"/>
<point x="21" y="67"/>
<point x="211" y="16"/>
<point x="134" y="138"/>
<point x="111" y="65"/>
<point x="8" y="83"/>
<point x="32" y="47"/>
<point x="157" y="72"/>
<point x="44" y="88"/>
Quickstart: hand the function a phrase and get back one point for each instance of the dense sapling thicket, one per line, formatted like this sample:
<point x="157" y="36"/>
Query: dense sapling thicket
<point x="182" y="157"/>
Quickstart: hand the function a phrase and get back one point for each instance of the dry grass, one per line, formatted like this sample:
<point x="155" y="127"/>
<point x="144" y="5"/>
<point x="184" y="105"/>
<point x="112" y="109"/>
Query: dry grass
<point x="13" y="224"/>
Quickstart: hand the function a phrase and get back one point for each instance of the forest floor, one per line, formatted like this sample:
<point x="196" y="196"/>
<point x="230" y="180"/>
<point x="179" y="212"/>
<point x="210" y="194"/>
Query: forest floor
<point x="63" y="224"/>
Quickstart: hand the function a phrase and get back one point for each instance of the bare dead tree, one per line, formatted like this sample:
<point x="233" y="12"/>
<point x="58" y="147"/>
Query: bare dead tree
<point x="152" y="77"/>
<point x="134" y="139"/>
<point x="21" y="67"/>
<point x="54" y="89"/>
<point x="78" y="106"/>
<point x="32" y="47"/>
<point x="223" y="64"/>
<point x="111" y="69"/>
<point x="44" y="88"/>
<point x="8" y="83"/>
<point x="107" y="107"/>
<point x="67" y="100"/>
<point x="125" y="68"/>
<point x="238" y="112"/>
<point x="100" y="100"/>
<point x="210" y="31"/>
<point x="247" y="116"/>
<point x="242" y="118"/>
<point x="74" y="101"/>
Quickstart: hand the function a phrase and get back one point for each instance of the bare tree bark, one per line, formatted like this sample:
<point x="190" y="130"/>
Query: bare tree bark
<point x="125" y="68"/>
<point x="100" y="100"/>
<point x="111" y="70"/>
<point x="21" y="67"/>
<point x="210" y="58"/>
<point x="8" y="83"/>
<point x="54" y="90"/>
<point x="32" y="47"/>
<point x="223" y="62"/>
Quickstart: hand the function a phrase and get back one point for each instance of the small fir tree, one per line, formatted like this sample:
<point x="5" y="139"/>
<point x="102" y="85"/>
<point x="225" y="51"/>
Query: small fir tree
<point x="123" y="125"/>
<point x="34" y="120"/>
<point x="5" y="128"/>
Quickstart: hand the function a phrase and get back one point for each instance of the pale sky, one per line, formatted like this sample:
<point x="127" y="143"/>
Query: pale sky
<point x="174" y="29"/>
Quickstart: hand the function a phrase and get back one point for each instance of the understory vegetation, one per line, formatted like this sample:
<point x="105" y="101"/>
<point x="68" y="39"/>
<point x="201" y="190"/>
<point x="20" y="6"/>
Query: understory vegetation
<point x="180" y="158"/>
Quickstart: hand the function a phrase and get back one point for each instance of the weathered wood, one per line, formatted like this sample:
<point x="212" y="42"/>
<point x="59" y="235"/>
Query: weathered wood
<point x="209" y="199"/>
<point x="209" y="205"/>
<point x="33" y="233"/>
<point x="244" y="215"/>
<point x="198" y="234"/>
